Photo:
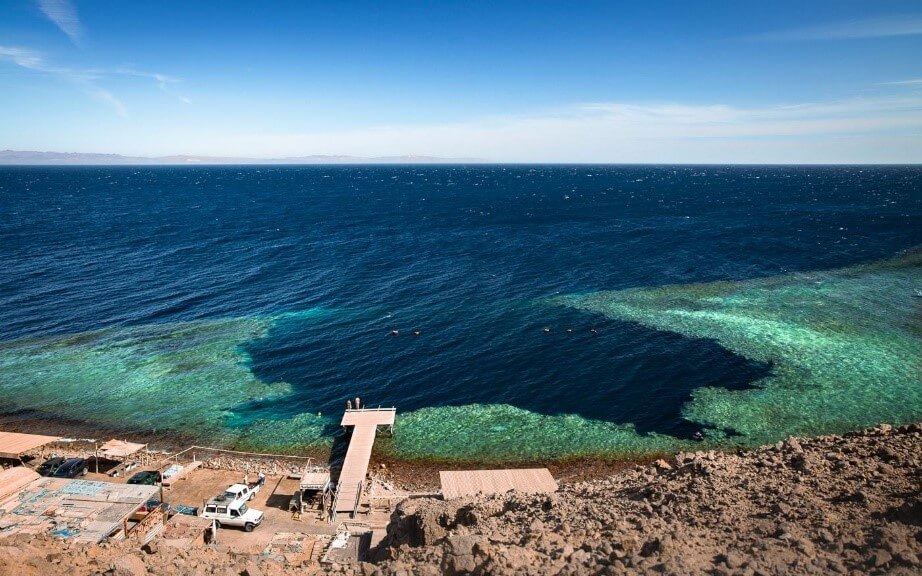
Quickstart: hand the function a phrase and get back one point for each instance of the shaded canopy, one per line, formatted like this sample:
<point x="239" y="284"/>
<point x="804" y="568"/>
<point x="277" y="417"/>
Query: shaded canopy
<point x="14" y="444"/>
<point x="314" y="477"/>
<point x="119" y="448"/>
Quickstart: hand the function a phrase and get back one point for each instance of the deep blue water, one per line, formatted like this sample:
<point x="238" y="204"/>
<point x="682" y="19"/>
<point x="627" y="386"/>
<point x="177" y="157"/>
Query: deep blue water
<point x="465" y="254"/>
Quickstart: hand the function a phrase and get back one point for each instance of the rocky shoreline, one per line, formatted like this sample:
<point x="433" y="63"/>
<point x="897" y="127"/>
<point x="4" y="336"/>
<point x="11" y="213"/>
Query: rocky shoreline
<point x="416" y="475"/>
<point x="849" y="504"/>
<point x="834" y="504"/>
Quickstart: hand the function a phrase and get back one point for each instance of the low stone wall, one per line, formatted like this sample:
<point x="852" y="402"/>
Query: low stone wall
<point x="254" y="464"/>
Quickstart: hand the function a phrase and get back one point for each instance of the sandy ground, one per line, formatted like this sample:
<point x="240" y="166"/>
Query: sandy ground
<point x="272" y="500"/>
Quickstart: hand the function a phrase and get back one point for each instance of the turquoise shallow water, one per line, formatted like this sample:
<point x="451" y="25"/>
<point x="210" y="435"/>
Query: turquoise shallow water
<point x="844" y="347"/>
<point x="242" y="306"/>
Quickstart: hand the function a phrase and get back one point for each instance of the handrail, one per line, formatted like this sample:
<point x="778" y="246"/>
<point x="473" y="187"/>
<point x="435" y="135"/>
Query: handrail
<point x="358" y="498"/>
<point x="333" y="507"/>
<point x="378" y="409"/>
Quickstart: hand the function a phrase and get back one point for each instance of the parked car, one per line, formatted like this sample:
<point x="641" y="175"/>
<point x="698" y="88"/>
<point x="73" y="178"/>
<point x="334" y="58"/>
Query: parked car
<point x="50" y="465"/>
<point x="232" y="514"/>
<point x="71" y="468"/>
<point x="146" y="478"/>
<point x="148" y="506"/>
<point x="242" y="492"/>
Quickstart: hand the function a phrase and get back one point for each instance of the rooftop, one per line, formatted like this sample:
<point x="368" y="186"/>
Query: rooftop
<point x="14" y="444"/>
<point x="314" y="477"/>
<point x="80" y="509"/>
<point x="119" y="448"/>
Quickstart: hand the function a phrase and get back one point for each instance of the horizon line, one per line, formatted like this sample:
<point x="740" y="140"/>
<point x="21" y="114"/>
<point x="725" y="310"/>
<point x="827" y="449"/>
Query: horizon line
<point x="34" y="158"/>
<point x="441" y="163"/>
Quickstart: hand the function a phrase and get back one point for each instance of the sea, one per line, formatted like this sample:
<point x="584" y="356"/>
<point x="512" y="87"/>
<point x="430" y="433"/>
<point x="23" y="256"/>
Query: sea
<point x="508" y="312"/>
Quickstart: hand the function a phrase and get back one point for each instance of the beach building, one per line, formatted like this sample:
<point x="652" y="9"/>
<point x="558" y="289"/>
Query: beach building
<point x="314" y="489"/>
<point x="13" y="480"/>
<point x="120" y="451"/>
<point x="13" y="445"/>
<point x="83" y="510"/>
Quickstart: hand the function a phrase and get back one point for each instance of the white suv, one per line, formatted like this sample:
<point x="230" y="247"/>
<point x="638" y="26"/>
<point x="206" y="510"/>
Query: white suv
<point x="232" y="514"/>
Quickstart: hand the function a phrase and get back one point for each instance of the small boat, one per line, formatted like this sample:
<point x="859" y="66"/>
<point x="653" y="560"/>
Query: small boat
<point x="395" y="332"/>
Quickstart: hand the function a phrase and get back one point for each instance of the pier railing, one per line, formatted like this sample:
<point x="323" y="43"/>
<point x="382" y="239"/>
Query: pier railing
<point x="333" y="507"/>
<point x="358" y="499"/>
<point x="355" y="506"/>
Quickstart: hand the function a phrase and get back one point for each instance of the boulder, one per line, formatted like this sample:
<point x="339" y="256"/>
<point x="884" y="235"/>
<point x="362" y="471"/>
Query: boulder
<point x="459" y="555"/>
<point x="128" y="565"/>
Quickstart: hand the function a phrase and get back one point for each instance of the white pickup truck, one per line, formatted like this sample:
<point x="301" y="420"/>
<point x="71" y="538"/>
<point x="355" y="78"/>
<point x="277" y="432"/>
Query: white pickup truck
<point x="232" y="514"/>
<point x="241" y="492"/>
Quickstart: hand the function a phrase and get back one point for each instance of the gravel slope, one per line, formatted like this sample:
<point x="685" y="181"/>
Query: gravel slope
<point x="804" y="506"/>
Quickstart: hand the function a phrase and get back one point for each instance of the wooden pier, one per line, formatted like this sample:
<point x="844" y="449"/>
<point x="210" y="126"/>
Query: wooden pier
<point x="364" y="423"/>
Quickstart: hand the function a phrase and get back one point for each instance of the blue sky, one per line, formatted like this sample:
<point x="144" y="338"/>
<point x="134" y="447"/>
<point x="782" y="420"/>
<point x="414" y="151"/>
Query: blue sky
<point x="679" y="81"/>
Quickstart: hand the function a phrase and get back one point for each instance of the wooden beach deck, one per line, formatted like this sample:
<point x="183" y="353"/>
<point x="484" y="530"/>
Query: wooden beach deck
<point x="364" y="423"/>
<point x="459" y="483"/>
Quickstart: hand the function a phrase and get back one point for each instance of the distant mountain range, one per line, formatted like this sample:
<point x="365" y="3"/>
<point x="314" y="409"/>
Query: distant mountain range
<point x="27" y="157"/>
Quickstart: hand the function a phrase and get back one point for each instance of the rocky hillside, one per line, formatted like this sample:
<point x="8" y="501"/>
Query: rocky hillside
<point x="827" y="505"/>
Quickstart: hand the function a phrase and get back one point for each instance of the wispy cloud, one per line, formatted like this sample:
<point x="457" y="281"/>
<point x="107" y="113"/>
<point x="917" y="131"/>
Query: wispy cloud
<point x="87" y="79"/>
<point x="881" y="27"/>
<point x="32" y="60"/>
<point x="84" y="79"/>
<point x="106" y="97"/>
<point x="712" y="119"/>
<point x="21" y="57"/>
<point x="852" y="130"/>
<point x="164" y="82"/>
<point x="913" y="82"/>
<point x="64" y="15"/>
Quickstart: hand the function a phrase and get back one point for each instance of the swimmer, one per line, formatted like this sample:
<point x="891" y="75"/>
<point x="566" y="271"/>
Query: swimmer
<point x="593" y="330"/>
<point x="547" y="330"/>
<point x="417" y="332"/>
<point x="395" y="332"/>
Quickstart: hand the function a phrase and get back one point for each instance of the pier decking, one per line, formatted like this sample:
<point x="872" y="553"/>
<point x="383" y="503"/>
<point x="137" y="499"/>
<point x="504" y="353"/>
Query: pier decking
<point x="364" y="424"/>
